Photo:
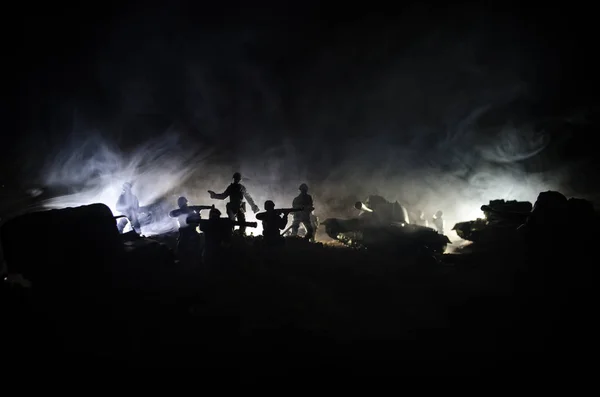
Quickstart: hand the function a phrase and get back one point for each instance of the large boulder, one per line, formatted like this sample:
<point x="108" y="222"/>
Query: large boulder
<point x="61" y="243"/>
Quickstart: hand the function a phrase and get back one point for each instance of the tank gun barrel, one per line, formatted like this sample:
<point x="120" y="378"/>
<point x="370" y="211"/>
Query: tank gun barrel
<point x="359" y="205"/>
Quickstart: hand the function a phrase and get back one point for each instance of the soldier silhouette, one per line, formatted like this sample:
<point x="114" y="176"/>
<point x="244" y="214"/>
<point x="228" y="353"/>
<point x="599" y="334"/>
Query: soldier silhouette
<point x="421" y="220"/>
<point x="305" y="202"/>
<point x="273" y="222"/>
<point x="128" y="205"/>
<point x="236" y="208"/>
<point x="189" y="242"/>
<point x="438" y="221"/>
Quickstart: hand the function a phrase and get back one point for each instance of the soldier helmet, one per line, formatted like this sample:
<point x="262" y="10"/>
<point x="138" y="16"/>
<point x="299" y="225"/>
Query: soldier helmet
<point x="269" y="205"/>
<point x="439" y="214"/>
<point x="237" y="177"/>
<point x="303" y="187"/>
<point x="127" y="186"/>
<point x="181" y="201"/>
<point x="214" y="213"/>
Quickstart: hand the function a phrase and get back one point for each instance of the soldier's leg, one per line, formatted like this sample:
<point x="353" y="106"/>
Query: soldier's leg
<point x="314" y="222"/>
<point x="181" y="243"/>
<point x="230" y="212"/>
<point x="241" y="217"/>
<point x="310" y="233"/>
<point x="135" y="223"/>
<point x="295" y="226"/>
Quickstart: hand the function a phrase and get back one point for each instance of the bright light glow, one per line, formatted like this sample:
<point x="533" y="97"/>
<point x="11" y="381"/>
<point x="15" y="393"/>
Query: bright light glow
<point x="96" y="173"/>
<point x="467" y="204"/>
<point x="162" y="169"/>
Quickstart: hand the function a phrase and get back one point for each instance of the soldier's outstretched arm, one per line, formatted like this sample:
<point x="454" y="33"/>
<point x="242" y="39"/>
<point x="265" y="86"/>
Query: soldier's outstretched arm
<point x="251" y="202"/>
<point x="219" y="196"/>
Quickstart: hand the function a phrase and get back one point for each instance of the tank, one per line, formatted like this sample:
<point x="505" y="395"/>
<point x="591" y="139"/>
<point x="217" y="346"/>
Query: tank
<point x="382" y="209"/>
<point x="501" y="220"/>
<point x="384" y="226"/>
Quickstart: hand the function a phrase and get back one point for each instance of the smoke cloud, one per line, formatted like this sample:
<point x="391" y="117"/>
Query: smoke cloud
<point x="456" y="178"/>
<point x="94" y="171"/>
<point x="431" y="118"/>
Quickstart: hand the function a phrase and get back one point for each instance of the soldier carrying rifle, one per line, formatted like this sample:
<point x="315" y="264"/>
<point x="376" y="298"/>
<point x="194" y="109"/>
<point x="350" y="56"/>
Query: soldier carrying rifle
<point x="218" y="231"/>
<point x="184" y="211"/>
<point x="189" y="242"/>
<point x="274" y="220"/>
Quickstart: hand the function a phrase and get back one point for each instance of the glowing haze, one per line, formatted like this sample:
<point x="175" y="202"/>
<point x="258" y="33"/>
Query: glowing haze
<point x="455" y="178"/>
<point x="161" y="170"/>
<point x="93" y="171"/>
<point x="427" y="114"/>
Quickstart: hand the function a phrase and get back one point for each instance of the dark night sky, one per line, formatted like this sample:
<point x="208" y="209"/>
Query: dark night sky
<point x="311" y="75"/>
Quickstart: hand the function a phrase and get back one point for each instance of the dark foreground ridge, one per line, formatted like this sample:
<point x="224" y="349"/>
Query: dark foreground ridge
<point x="518" y="307"/>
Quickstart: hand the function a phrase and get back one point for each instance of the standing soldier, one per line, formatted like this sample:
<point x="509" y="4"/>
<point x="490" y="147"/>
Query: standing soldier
<point x="438" y="222"/>
<point x="236" y="208"/>
<point x="305" y="202"/>
<point x="128" y="205"/>
<point x="421" y="220"/>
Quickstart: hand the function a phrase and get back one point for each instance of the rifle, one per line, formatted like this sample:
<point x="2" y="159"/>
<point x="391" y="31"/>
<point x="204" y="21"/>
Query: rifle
<point x="200" y="207"/>
<point x="279" y="211"/>
<point x="194" y="208"/>
<point x="287" y="211"/>
<point x="286" y="230"/>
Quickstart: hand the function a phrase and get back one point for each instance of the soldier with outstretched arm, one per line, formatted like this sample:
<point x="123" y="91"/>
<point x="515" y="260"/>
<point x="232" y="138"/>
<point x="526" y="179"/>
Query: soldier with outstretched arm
<point x="236" y="208"/>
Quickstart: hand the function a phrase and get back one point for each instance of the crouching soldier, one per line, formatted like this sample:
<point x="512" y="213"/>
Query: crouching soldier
<point x="274" y="221"/>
